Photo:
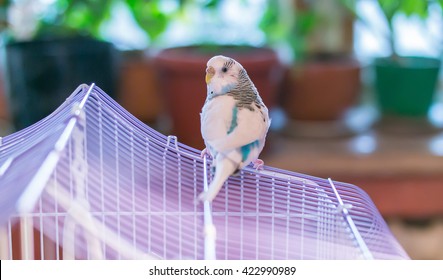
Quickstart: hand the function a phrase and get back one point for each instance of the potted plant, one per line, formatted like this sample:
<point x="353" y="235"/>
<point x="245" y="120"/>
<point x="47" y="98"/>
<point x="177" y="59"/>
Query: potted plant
<point x="49" y="54"/>
<point x="181" y="69"/>
<point x="323" y="79"/>
<point x="404" y="85"/>
<point x="139" y="87"/>
<point x="4" y="115"/>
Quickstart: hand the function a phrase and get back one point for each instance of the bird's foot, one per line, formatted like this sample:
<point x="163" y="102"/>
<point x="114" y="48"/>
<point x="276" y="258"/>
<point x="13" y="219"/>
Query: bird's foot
<point x="202" y="197"/>
<point x="236" y="172"/>
<point x="205" y="152"/>
<point x="258" y="164"/>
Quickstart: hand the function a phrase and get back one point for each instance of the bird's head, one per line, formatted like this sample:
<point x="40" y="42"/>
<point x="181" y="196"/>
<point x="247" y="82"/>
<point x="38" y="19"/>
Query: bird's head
<point x="222" y="74"/>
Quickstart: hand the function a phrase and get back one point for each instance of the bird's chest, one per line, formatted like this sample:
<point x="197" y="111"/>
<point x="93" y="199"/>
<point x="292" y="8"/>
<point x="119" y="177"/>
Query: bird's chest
<point x="217" y="116"/>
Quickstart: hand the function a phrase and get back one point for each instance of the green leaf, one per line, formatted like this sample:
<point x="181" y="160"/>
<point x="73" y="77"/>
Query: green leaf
<point x="5" y="3"/>
<point x="149" y="16"/>
<point x="415" y="7"/>
<point x="350" y="5"/>
<point x="75" y="17"/>
<point x="212" y="4"/>
<point x="390" y="8"/>
<point x="270" y="22"/>
<point x="3" y="14"/>
<point x="306" y="22"/>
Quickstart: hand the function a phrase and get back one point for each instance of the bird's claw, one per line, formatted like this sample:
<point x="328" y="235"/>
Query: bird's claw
<point x="199" y="199"/>
<point x="259" y="164"/>
<point x="204" y="153"/>
<point x="202" y="197"/>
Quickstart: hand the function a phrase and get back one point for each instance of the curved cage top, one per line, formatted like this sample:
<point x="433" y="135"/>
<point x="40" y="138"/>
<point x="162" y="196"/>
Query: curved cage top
<point x="90" y="181"/>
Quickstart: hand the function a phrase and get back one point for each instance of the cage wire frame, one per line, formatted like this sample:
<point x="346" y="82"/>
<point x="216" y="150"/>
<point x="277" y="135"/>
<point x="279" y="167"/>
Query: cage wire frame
<point x="90" y="181"/>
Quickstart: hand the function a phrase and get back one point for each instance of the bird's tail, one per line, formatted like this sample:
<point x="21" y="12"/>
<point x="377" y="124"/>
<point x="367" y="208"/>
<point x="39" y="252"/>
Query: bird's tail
<point x="225" y="166"/>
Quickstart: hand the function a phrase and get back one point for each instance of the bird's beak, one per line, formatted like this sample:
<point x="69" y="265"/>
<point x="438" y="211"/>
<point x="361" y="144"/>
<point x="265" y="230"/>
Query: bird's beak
<point x="210" y="72"/>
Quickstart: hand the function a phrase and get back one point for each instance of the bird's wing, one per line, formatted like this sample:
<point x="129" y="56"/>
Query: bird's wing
<point x="216" y="118"/>
<point x="228" y="129"/>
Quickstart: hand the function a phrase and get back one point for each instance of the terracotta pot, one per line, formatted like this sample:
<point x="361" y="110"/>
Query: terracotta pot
<point x="138" y="88"/>
<point x="182" y="81"/>
<point x="39" y="243"/>
<point x="322" y="90"/>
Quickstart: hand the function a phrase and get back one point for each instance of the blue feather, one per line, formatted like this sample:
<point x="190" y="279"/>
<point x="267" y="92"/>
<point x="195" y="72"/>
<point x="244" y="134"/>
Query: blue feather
<point x="246" y="149"/>
<point x="234" y="120"/>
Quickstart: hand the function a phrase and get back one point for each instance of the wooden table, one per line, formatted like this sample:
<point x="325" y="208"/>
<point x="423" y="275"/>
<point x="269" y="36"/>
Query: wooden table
<point x="402" y="174"/>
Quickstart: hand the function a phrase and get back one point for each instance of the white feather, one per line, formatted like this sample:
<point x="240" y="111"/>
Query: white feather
<point x="222" y="140"/>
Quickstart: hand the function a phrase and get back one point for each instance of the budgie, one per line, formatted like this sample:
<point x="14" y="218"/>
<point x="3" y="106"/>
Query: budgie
<point x="234" y="121"/>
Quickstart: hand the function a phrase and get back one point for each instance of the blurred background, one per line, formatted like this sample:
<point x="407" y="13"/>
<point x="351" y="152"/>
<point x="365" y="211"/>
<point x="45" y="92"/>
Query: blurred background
<point x="354" y="86"/>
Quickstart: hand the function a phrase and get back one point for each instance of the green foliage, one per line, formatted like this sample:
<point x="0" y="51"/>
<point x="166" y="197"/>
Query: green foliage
<point x="283" y="22"/>
<point x="211" y="4"/>
<point x="414" y="7"/>
<point x="67" y="18"/>
<point x="350" y="5"/>
<point x="149" y="16"/>
<point x="278" y="23"/>
<point x="154" y="19"/>
<point x="270" y="22"/>
<point x="278" y="26"/>
<point x="391" y="8"/>
<point x="75" y="17"/>
<point x="305" y="23"/>
<point x="4" y="4"/>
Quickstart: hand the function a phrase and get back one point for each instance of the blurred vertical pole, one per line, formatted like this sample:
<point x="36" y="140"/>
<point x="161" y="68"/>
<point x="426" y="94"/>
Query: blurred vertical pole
<point x="4" y="243"/>
<point x="27" y="237"/>
<point x="333" y="29"/>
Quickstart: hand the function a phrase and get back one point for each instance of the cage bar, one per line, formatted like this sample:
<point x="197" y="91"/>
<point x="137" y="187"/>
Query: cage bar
<point x="90" y="181"/>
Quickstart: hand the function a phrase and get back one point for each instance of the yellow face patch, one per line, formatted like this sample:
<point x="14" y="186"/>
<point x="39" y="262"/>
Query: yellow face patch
<point x="208" y="78"/>
<point x="210" y="72"/>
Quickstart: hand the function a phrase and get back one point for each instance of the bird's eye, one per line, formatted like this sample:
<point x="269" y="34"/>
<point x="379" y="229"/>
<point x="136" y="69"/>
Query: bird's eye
<point x="224" y="69"/>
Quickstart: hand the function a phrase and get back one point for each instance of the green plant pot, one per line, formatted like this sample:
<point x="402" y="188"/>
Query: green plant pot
<point x="41" y="74"/>
<point x="405" y="86"/>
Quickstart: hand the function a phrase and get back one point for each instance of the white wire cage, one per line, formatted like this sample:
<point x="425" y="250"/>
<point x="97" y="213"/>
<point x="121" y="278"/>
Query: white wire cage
<point x="91" y="181"/>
